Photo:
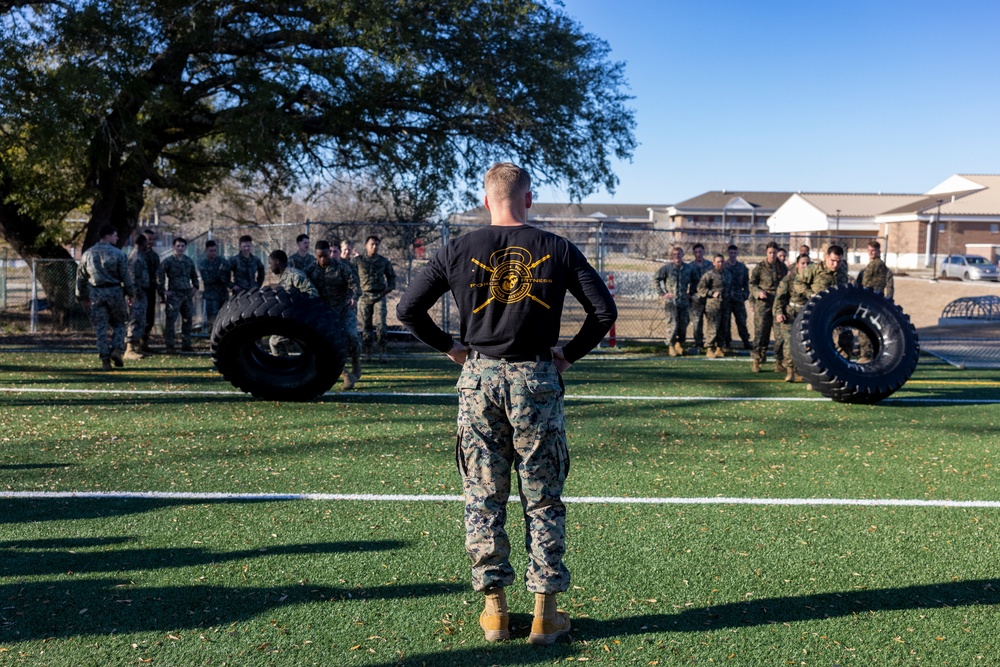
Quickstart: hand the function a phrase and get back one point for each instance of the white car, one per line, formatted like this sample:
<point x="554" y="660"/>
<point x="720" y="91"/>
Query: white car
<point x="969" y="267"/>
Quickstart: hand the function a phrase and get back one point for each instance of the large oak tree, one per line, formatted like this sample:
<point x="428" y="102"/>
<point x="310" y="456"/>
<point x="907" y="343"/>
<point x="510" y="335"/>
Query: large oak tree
<point x="103" y="99"/>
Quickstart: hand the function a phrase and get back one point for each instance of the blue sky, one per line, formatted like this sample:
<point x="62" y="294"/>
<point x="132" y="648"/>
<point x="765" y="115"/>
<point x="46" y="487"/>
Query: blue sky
<point x="845" y="96"/>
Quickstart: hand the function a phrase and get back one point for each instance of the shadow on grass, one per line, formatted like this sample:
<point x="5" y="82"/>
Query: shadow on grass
<point x="981" y="592"/>
<point x="40" y="610"/>
<point x="25" y="510"/>
<point x="35" y="466"/>
<point x="32" y="558"/>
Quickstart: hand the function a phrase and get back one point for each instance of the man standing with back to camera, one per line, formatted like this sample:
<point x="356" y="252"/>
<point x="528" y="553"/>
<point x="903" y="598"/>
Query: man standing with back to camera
<point x="509" y="281"/>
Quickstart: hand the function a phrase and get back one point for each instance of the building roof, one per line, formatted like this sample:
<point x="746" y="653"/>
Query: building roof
<point x="716" y="200"/>
<point x="859" y="205"/>
<point x="980" y="196"/>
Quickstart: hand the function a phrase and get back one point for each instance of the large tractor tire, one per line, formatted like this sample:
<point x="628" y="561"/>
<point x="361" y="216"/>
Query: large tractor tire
<point x="278" y="344"/>
<point x="894" y="343"/>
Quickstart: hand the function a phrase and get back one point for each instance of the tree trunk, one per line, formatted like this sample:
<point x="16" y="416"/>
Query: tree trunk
<point x="26" y="236"/>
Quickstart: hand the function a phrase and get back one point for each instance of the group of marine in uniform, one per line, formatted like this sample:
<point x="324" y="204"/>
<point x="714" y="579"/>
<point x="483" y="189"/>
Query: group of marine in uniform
<point x="121" y="292"/>
<point x="710" y="295"/>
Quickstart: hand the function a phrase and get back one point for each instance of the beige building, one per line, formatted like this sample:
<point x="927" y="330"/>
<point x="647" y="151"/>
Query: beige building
<point x="959" y="216"/>
<point x="722" y="212"/>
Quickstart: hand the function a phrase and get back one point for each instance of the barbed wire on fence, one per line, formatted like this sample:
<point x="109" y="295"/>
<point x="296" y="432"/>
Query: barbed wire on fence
<point x="632" y="255"/>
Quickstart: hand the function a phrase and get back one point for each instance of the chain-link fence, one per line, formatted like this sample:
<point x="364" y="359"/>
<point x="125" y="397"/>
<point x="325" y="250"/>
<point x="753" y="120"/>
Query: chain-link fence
<point x="37" y="295"/>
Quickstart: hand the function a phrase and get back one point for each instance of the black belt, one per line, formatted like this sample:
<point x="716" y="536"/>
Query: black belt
<point x="542" y="356"/>
<point x="107" y="285"/>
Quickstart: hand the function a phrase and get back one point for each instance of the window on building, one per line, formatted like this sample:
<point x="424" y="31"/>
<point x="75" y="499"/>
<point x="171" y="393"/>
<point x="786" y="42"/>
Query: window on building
<point x="994" y="228"/>
<point x="941" y="227"/>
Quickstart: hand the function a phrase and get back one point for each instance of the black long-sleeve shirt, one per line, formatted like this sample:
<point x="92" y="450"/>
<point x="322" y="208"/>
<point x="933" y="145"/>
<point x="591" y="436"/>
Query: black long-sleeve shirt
<point x="509" y="284"/>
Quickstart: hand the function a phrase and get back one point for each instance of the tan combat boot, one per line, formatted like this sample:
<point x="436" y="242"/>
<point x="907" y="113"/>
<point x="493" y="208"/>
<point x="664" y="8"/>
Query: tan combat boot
<point x="779" y="367"/>
<point x="549" y="623"/>
<point x="679" y="348"/>
<point x="349" y="381"/>
<point x="494" y="619"/>
<point x="719" y="353"/>
<point x="671" y="351"/>
<point x="790" y="375"/>
<point x="116" y="356"/>
<point x="132" y="352"/>
<point x="755" y="364"/>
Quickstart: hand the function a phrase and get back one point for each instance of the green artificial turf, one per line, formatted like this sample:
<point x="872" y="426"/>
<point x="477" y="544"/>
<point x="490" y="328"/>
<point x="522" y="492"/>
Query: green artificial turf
<point x="166" y="581"/>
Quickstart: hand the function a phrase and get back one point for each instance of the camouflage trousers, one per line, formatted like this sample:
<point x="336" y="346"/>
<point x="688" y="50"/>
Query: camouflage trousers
<point x="137" y="318"/>
<point x="698" y="321"/>
<point x="108" y="315"/>
<point x="511" y="414"/>
<point x="180" y="302"/>
<point x="735" y="309"/>
<point x="763" y="322"/>
<point x="348" y="318"/>
<point x="374" y="312"/>
<point x="213" y="300"/>
<point x="783" y="338"/>
<point x="714" y="310"/>
<point x="677" y="322"/>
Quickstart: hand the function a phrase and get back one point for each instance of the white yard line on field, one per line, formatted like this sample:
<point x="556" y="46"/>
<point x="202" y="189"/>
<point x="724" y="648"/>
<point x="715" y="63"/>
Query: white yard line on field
<point x="413" y="394"/>
<point x="588" y="500"/>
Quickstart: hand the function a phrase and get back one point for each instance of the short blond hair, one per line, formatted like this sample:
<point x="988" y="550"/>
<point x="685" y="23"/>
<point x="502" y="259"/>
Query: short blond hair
<point x="505" y="181"/>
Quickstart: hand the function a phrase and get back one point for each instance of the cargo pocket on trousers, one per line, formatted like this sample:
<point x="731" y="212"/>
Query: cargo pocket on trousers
<point x="466" y="385"/>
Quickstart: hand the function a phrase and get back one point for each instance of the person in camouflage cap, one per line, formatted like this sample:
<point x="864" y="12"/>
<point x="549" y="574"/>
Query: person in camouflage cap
<point x="763" y="284"/>
<point x="714" y="287"/>
<point x="509" y="281"/>
<point x="878" y="278"/>
<point x="177" y="283"/>
<point x="338" y="287"/>
<point x="377" y="279"/>
<point x="100" y="277"/>
<point x="673" y="283"/>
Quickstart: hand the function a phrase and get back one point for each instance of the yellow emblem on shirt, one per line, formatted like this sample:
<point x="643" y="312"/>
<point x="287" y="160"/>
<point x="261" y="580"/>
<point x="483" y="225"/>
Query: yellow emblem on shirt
<point x="510" y="278"/>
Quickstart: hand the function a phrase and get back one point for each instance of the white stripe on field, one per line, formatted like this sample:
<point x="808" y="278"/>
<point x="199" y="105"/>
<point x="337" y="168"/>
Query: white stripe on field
<point x="589" y="500"/>
<point x="569" y="397"/>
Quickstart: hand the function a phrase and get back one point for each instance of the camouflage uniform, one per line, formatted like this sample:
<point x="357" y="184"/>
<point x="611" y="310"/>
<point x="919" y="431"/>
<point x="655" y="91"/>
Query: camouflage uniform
<point x="783" y="330"/>
<point x="736" y="305"/>
<point x="338" y="285"/>
<point x="215" y="286"/>
<point x="178" y="276"/>
<point x="303" y="263"/>
<point x="377" y="278"/>
<point x="765" y="278"/>
<point x="511" y="413"/>
<point x="102" y="272"/>
<point x="511" y="393"/>
<point x="138" y="266"/>
<point x="675" y="280"/>
<point x="291" y="279"/>
<point x="294" y="279"/>
<point x="697" y="310"/>
<point x="152" y="265"/>
<point x="247" y="272"/>
<point x="711" y="282"/>
<point x="877" y="277"/>
<point x="811" y="281"/>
